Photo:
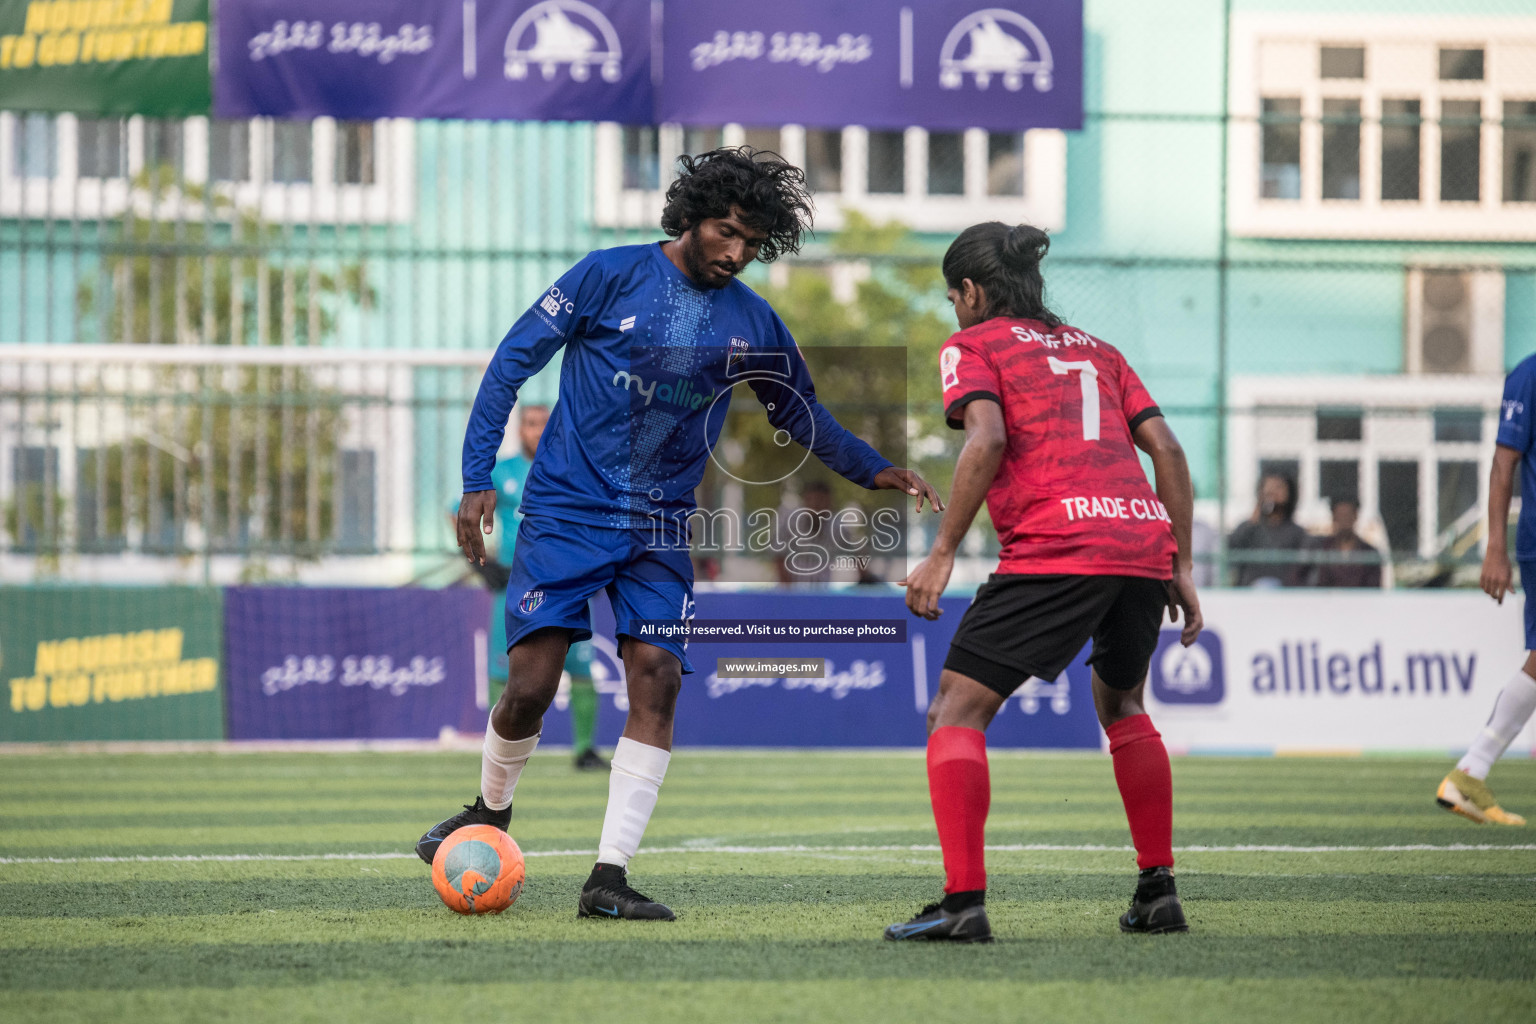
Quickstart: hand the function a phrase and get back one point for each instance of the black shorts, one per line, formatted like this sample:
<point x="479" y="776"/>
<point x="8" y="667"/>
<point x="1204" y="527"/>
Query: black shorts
<point x="1020" y="626"/>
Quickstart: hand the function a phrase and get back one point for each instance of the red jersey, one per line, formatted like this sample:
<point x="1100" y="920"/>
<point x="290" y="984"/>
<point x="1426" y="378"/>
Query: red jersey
<point x="1070" y="495"/>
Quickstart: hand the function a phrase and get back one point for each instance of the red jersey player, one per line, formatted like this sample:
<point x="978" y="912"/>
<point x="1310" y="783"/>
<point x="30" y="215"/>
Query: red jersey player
<point x="1052" y="419"/>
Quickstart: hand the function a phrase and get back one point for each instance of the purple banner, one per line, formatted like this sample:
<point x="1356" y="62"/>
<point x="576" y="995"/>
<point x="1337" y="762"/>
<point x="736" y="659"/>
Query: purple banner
<point x="870" y="695"/>
<point x="942" y="64"/>
<point x="361" y="59"/>
<point x="354" y="664"/>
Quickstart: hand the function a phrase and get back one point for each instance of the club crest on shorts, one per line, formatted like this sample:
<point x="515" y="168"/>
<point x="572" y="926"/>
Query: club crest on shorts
<point x="531" y="601"/>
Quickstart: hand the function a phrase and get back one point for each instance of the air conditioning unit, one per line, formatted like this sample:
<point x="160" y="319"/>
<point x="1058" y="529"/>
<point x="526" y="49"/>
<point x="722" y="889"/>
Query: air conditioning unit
<point x="1454" y="321"/>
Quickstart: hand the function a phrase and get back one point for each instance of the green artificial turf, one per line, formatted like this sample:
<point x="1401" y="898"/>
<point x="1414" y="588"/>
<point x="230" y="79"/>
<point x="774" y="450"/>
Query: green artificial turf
<point x="783" y="869"/>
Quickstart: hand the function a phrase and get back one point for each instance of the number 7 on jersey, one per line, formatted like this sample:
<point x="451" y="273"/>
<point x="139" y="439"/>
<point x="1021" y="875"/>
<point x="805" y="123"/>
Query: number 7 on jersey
<point x="1090" y="382"/>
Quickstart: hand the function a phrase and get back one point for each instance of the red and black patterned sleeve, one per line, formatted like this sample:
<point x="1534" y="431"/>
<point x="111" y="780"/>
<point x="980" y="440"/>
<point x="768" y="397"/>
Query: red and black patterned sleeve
<point x="966" y="373"/>
<point x="1135" y="402"/>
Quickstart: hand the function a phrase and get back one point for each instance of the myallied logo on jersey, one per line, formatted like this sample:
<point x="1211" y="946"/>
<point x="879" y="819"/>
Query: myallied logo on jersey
<point x="531" y="601"/>
<point x="1188" y="675"/>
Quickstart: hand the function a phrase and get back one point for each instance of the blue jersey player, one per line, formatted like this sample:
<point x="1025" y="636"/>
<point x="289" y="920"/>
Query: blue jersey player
<point x="1465" y="791"/>
<point x="508" y="478"/>
<point x="657" y="337"/>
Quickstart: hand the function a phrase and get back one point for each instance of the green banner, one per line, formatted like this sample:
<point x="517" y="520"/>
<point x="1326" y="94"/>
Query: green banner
<point x="110" y="663"/>
<point x="105" y="56"/>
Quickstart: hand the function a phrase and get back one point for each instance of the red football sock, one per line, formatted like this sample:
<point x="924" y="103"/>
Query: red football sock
<point x="1146" y="787"/>
<point x="961" y="791"/>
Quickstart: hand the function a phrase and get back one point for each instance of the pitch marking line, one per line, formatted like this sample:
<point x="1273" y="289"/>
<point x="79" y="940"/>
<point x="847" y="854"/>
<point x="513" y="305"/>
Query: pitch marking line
<point x="238" y="858"/>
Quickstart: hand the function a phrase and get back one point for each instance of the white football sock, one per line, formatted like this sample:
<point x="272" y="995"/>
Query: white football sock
<point x="501" y="762"/>
<point x="633" y="786"/>
<point x="1511" y="710"/>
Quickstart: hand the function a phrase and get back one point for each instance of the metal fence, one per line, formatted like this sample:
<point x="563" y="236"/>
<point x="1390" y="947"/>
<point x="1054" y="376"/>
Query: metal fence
<point x="243" y="349"/>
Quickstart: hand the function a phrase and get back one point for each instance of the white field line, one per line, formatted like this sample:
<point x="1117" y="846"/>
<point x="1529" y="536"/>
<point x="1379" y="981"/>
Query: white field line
<point x="239" y="858"/>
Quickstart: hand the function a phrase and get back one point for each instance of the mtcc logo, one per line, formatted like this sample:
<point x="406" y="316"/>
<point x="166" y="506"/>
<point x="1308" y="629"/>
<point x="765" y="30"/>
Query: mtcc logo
<point x="563" y="32"/>
<point x="996" y="42"/>
<point x="1188" y="675"/>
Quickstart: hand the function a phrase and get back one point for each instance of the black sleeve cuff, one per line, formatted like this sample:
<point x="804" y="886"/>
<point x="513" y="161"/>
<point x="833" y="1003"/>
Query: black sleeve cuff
<point x="955" y="414"/>
<point x="1142" y="417"/>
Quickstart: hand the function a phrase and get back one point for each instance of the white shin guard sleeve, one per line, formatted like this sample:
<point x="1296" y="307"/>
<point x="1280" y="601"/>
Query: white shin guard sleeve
<point x="501" y="762"/>
<point x="633" y="786"/>
<point x="1511" y="710"/>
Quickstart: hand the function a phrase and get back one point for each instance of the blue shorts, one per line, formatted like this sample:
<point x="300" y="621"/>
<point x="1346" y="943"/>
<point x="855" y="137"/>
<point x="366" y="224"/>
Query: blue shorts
<point x="1527" y="580"/>
<point x="578" y="660"/>
<point x="558" y="566"/>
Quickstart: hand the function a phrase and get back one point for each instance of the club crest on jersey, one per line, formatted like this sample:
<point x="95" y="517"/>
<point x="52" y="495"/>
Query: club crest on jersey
<point x="949" y="368"/>
<point x="531" y="601"/>
<point x="738" y="351"/>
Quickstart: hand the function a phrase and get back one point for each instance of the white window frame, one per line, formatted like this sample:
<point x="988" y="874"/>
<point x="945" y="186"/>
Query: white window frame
<point x="1275" y="418"/>
<point x="1401" y="63"/>
<point x="390" y="199"/>
<point x="1043" y="204"/>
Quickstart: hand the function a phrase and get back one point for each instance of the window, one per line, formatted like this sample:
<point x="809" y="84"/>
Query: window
<point x="1456" y="491"/>
<point x="701" y="140"/>
<point x="1400" y="149"/>
<point x="824" y="160"/>
<point x="1414" y="451"/>
<point x="642" y="162"/>
<point x="1005" y="163"/>
<point x="1339" y="425"/>
<point x="163" y="145"/>
<point x="938" y="181"/>
<point x="98" y="501"/>
<point x="101" y="151"/>
<point x="355" y="533"/>
<point x="1459" y="425"/>
<point x="1372" y="127"/>
<point x="946" y="164"/>
<point x="1338" y="480"/>
<point x="229" y="150"/>
<point x="292" y="156"/>
<point x="36" y="146"/>
<point x="1398" y="489"/>
<point x="1458" y="65"/>
<point x="887" y="162"/>
<point x="1519" y="151"/>
<point x="1341" y="149"/>
<point x="354" y="153"/>
<point x="35" y="476"/>
<point x="1281" y="164"/>
<point x="1460" y="150"/>
<point x="1341" y="62"/>
<point x="767" y="139"/>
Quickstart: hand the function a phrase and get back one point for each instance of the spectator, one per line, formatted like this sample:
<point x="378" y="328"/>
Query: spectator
<point x="1258" y="548"/>
<point x="1344" y="558"/>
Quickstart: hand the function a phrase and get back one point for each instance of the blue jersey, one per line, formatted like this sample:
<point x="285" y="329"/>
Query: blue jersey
<point x="648" y="356"/>
<point x="1515" y="432"/>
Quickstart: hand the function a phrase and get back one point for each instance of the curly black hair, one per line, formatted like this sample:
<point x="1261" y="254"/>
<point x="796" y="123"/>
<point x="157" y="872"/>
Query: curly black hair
<point x="770" y="191"/>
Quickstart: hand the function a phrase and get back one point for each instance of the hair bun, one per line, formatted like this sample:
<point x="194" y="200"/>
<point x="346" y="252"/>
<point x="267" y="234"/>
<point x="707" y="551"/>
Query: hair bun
<point x="1024" y="247"/>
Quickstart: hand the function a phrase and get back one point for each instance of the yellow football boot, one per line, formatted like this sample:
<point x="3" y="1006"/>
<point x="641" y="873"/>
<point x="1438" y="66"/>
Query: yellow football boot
<point x="1461" y="794"/>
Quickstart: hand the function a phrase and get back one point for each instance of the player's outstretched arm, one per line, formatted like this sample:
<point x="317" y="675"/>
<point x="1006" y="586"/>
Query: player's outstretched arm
<point x="476" y="519"/>
<point x="986" y="438"/>
<point x="1497" y="577"/>
<point x="894" y="478"/>
<point x="1177" y="493"/>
